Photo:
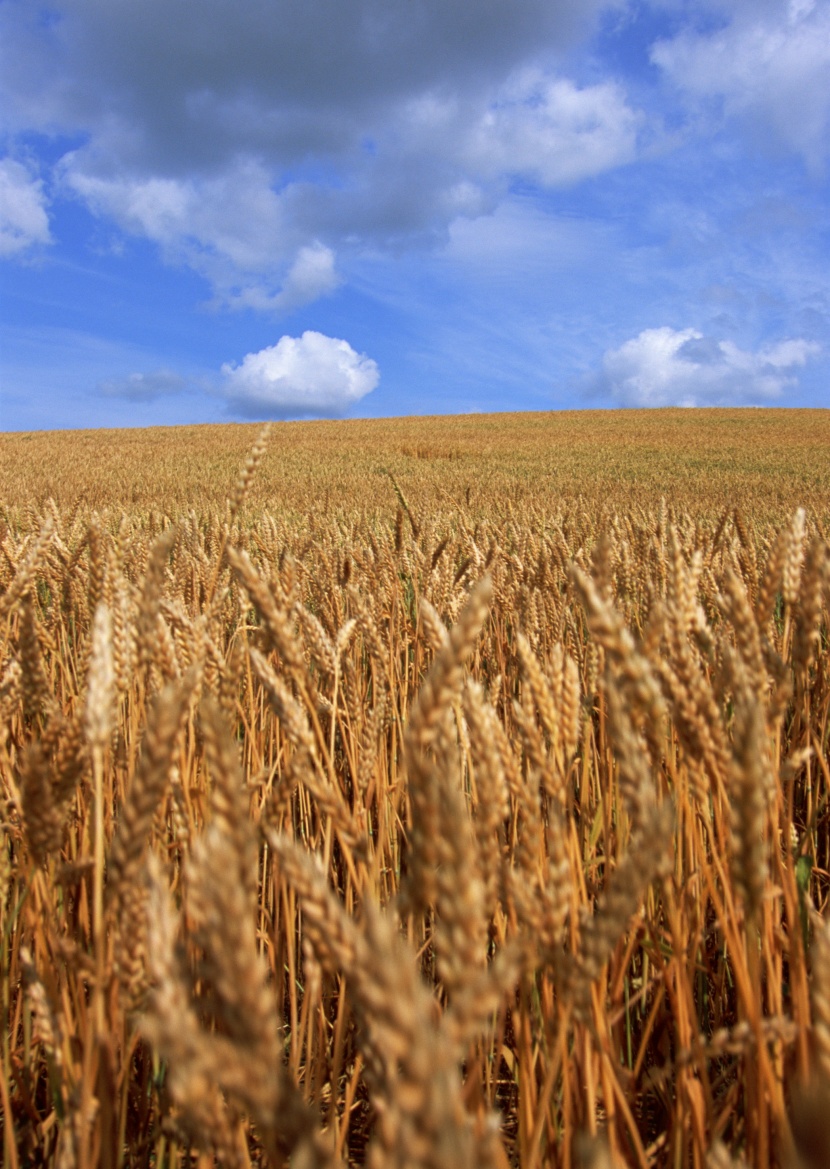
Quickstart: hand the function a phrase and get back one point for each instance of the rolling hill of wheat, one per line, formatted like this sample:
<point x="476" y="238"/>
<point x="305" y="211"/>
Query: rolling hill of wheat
<point x="428" y="793"/>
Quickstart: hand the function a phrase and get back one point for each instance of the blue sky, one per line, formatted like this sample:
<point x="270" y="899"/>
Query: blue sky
<point x="259" y="208"/>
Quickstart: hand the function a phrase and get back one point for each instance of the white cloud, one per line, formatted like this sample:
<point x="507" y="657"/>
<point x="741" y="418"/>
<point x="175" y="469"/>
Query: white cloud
<point x="157" y="208"/>
<point x="312" y="275"/>
<point x="232" y="229"/>
<point x="548" y="129"/>
<point x="143" y="387"/>
<point x="225" y="226"/>
<point x="23" y="217"/>
<point x="769" y="65"/>
<point x="681" y="367"/>
<point x="308" y="376"/>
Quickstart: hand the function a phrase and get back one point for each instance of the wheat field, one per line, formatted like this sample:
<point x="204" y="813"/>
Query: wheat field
<point x="423" y="793"/>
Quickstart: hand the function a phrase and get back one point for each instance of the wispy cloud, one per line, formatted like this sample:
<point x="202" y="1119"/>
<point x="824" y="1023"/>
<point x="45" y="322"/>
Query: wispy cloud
<point x="23" y="217"/>
<point x="143" y="387"/>
<point x="768" y="65"/>
<point x="64" y="378"/>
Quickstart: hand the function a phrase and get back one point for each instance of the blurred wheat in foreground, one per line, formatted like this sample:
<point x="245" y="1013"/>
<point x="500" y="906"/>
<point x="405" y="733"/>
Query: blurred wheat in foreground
<point x="407" y="838"/>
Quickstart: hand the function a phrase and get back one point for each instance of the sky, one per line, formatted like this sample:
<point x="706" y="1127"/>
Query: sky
<point x="249" y="209"/>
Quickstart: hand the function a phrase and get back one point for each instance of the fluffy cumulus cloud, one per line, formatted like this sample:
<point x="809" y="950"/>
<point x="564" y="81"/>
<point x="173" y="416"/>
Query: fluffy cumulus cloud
<point x="23" y="217"/>
<point x="311" y="376"/>
<point x="766" y="63"/>
<point x="682" y="367"/>
<point x="257" y="145"/>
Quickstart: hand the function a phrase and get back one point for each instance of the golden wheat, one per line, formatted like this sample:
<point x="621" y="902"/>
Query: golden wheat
<point x="412" y="805"/>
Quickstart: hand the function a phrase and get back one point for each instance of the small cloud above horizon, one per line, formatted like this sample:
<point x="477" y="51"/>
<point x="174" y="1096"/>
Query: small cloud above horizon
<point x="312" y="376"/>
<point x="682" y="367"/>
